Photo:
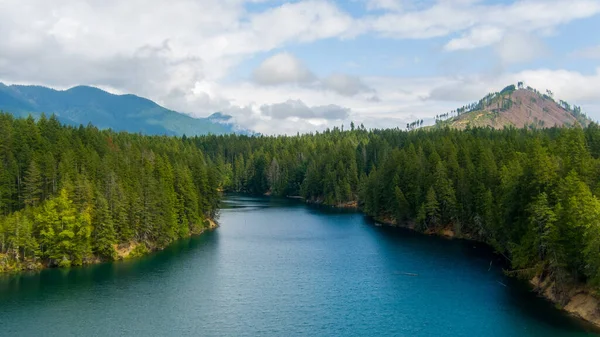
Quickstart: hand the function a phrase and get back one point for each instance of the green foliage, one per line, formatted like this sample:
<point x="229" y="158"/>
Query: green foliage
<point x="531" y="194"/>
<point x="104" y="234"/>
<point x="402" y="206"/>
<point x="432" y="209"/>
<point x="508" y="90"/>
<point x="139" y="251"/>
<point x="69" y="195"/>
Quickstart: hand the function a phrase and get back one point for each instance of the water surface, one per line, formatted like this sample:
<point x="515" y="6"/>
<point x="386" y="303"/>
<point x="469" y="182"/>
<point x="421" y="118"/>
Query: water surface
<point x="277" y="267"/>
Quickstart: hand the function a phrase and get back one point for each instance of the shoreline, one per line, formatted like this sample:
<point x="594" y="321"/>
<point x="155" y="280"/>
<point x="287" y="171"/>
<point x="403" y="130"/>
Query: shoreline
<point x="577" y="299"/>
<point x="124" y="251"/>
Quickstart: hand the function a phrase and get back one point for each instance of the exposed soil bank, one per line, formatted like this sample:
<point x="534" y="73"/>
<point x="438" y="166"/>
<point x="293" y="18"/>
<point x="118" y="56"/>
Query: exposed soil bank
<point x="578" y="300"/>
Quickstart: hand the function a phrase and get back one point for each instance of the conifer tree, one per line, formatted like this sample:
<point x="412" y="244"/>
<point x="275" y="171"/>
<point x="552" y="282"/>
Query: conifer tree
<point x="32" y="185"/>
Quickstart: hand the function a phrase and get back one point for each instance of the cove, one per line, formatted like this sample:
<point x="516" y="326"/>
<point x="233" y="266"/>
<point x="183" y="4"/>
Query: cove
<point x="279" y="267"/>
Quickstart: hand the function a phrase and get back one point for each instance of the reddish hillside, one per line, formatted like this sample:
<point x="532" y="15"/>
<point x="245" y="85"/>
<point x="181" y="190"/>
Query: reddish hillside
<point x="519" y="108"/>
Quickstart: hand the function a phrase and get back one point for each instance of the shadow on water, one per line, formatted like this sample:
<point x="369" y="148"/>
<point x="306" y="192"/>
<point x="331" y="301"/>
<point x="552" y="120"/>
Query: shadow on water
<point x="518" y="293"/>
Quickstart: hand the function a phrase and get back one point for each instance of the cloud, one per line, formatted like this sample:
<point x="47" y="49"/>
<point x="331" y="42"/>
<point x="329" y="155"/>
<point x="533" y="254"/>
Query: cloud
<point x="460" y="93"/>
<point x="91" y="42"/>
<point x="282" y="68"/>
<point x="481" y="24"/>
<point x="571" y="86"/>
<point x="302" y="21"/>
<point x="184" y="54"/>
<point x="520" y="47"/>
<point x="285" y="68"/>
<point x="298" y="109"/>
<point x="475" y="38"/>
<point x="394" y="5"/>
<point x="345" y="85"/>
<point x="588" y="53"/>
<point x="438" y="20"/>
<point x="568" y="85"/>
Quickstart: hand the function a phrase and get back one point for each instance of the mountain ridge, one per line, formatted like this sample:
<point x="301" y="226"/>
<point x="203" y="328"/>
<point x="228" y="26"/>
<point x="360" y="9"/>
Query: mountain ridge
<point x="81" y="105"/>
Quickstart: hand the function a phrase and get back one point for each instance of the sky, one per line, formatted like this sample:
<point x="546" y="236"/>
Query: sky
<point x="282" y="67"/>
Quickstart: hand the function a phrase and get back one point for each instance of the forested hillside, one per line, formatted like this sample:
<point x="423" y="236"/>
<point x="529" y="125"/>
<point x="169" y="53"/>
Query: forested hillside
<point x="71" y="196"/>
<point x="531" y="194"/>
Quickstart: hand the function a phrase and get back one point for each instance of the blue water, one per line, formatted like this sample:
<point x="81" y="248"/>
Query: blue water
<point x="280" y="268"/>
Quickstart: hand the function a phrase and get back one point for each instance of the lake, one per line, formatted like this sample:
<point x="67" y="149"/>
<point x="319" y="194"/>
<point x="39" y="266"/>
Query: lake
<point x="278" y="267"/>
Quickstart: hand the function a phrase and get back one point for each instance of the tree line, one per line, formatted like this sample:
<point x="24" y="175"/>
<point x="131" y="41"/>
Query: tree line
<point x="531" y="194"/>
<point x="71" y="196"/>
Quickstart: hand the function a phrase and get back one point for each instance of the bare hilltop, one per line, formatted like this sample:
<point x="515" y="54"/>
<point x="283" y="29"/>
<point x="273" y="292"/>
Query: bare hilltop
<point x="516" y="106"/>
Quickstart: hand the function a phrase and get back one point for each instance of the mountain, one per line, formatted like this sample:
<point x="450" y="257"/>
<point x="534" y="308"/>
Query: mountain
<point x="518" y="107"/>
<point x="220" y="118"/>
<point x="84" y="104"/>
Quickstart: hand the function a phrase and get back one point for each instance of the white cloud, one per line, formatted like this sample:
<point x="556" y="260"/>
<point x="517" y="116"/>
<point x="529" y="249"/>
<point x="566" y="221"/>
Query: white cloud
<point x="475" y="38"/>
<point x="282" y="68"/>
<point x="170" y="48"/>
<point x="520" y="47"/>
<point x="302" y="21"/>
<point x="285" y="68"/>
<point x="394" y="5"/>
<point x="345" y="85"/>
<point x="182" y="54"/>
<point x="572" y="86"/>
<point x="298" y="109"/>
<point x="481" y="24"/>
<point x="438" y="20"/>
<point x="461" y="93"/>
<point x="569" y="85"/>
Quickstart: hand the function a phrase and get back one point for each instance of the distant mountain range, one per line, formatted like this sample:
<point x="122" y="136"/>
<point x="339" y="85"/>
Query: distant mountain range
<point x="84" y="104"/>
<point x="515" y="106"/>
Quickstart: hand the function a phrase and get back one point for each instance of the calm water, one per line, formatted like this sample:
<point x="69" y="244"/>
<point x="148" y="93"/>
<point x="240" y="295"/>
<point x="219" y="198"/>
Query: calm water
<point x="277" y="268"/>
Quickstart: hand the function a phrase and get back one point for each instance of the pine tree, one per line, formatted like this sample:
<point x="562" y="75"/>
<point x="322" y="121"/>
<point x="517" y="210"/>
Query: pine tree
<point x="32" y="185"/>
<point x="445" y="194"/>
<point x="432" y="209"/>
<point x="104" y="234"/>
<point x="403" y="208"/>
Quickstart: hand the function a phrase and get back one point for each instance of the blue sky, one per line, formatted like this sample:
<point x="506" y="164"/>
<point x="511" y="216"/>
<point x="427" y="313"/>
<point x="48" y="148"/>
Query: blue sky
<point x="287" y="66"/>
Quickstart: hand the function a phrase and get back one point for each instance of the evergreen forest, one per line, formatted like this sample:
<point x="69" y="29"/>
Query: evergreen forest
<point x="71" y="196"/>
<point x="532" y="194"/>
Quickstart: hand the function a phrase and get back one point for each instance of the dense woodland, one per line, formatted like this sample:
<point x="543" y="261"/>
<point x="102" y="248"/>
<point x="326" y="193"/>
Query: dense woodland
<point x="531" y="194"/>
<point x="70" y="196"/>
